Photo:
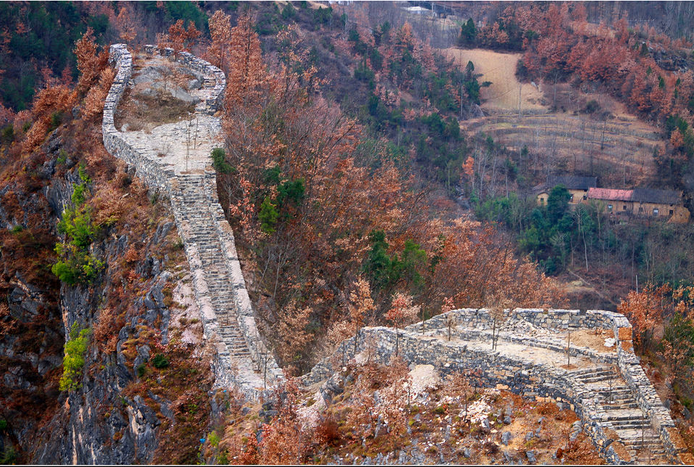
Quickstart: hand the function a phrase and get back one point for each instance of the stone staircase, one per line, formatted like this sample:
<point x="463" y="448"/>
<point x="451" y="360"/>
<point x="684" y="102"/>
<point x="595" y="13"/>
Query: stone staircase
<point x="196" y="214"/>
<point x="193" y="207"/>
<point x="164" y="159"/>
<point x="621" y="412"/>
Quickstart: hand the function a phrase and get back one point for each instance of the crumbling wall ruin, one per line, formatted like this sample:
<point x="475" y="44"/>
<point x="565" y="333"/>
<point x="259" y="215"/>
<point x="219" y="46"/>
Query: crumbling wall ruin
<point x="242" y="359"/>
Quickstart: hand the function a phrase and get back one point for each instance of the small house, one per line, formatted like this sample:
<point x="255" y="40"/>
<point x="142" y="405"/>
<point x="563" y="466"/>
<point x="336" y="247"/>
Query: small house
<point x="578" y="188"/>
<point x="646" y="202"/>
<point x="660" y="203"/>
<point x="615" y="201"/>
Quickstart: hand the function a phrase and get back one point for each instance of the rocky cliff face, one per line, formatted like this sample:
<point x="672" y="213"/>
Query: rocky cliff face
<point x="145" y="376"/>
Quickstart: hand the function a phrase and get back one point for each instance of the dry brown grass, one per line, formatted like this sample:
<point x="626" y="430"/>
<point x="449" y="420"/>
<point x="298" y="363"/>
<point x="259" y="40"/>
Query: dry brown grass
<point x="143" y="112"/>
<point x="594" y="339"/>
<point x="619" y="151"/>
<point x="611" y="142"/>
<point x="500" y="69"/>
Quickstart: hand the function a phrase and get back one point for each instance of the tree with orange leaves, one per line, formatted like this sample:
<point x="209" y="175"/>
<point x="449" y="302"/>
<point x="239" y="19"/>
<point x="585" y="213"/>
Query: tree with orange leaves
<point x="220" y="33"/>
<point x="645" y="311"/>
<point x="292" y="333"/>
<point x="359" y="306"/>
<point x="48" y="102"/>
<point x="88" y="61"/>
<point x="95" y="99"/>
<point x="405" y="37"/>
<point x="182" y="38"/>
<point x="248" y="75"/>
<point x="286" y="438"/>
<point x="401" y="313"/>
<point x="676" y="139"/>
<point x="125" y="26"/>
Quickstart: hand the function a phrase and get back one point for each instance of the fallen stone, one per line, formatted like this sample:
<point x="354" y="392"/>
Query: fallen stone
<point x="531" y="456"/>
<point x="576" y="428"/>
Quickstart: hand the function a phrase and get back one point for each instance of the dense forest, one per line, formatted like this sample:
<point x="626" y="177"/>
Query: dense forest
<point x="357" y="192"/>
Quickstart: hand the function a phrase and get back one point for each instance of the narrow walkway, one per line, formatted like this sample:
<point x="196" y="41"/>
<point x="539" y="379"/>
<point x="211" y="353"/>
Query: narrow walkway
<point x="614" y="400"/>
<point x="603" y="382"/>
<point x="196" y="220"/>
<point x="176" y="158"/>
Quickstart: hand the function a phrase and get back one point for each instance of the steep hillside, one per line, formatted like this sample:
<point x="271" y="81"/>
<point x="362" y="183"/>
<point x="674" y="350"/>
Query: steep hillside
<point x="567" y="130"/>
<point x="96" y="282"/>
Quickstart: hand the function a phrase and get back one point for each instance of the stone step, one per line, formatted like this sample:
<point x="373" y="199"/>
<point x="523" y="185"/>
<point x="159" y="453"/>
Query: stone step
<point x="626" y="414"/>
<point x="630" y="425"/>
<point x="618" y="400"/>
<point x="619" y="405"/>
<point x="237" y="335"/>
<point x="598" y="378"/>
<point x="614" y="392"/>
<point x="646" y="423"/>
<point x="655" y="446"/>
<point x="631" y="435"/>
<point x="590" y="371"/>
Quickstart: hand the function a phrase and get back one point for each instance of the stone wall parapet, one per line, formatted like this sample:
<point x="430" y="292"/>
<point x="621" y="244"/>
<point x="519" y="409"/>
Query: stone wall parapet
<point x="164" y="178"/>
<point x="551" y="319"/>
<point x="425" y="343"/>
<point x="213" y="78"/>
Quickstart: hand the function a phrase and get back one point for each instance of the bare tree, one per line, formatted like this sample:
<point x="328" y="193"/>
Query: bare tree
<point x="499" y="304"/>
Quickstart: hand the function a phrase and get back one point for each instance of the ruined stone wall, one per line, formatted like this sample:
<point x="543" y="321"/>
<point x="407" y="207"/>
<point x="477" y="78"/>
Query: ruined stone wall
<point x="154" y="175"/>
<point x="165" y="179"/>
<point x="521" y="375"/>
<point x="546" y="319"/>
<point x="627" y="361"/>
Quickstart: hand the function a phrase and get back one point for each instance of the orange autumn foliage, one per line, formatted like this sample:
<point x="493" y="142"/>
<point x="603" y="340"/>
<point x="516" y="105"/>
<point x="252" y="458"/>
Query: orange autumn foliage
<point x="220" y="33"/>
<point x="645" y="311"/>
<point x="94" y="101"/>
<point x="125" y="26"/>
<point x="48" y="102"/>
<point x="182" y="38"/>
<point x="617" y="57"/>
<point x="247" y="76"/>
<point x="280" y="133"/>
<point x="89" y="62"/>
<point x="402" y="312"/>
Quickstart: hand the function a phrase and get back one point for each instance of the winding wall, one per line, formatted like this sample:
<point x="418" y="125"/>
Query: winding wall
<point x="242" y="358"/>
<point x="609" y="390"/>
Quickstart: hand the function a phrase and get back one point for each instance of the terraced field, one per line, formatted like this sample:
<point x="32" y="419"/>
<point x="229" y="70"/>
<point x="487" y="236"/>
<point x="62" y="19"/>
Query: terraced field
<point x="611" y="144"/>
<point x="620" y="152"/>
<point x="500" y="69"/>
